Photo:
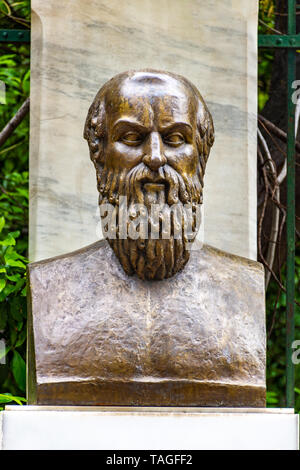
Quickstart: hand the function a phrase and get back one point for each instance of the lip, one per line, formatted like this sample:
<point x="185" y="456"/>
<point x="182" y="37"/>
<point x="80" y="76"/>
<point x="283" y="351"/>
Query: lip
<point x="154" y="186"/>
<point x="158" y="184"/>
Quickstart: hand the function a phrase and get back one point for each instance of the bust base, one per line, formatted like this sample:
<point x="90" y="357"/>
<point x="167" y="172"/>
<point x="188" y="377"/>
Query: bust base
<point x="160" y="393"/>
<point x="142" y="428"/>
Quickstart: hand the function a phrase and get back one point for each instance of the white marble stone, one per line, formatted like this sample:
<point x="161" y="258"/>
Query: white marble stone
<point x="50" y="428"/>
<point x="78" y="45"/>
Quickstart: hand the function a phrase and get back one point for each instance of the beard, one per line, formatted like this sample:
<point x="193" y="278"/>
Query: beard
<point x="156" y="242"/>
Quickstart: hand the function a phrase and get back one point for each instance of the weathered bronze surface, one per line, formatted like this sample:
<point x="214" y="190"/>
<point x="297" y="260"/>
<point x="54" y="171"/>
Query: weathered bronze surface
<point x="130" y="326"/>
<point x="105" y="338"/>
<point x="149" y="135"/>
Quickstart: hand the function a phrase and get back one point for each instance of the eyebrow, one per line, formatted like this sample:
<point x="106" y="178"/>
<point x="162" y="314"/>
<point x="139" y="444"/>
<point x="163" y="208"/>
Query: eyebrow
<point x="174" y="125"/>
<point x="130" y="122"/>
<point x="141" y="128"/>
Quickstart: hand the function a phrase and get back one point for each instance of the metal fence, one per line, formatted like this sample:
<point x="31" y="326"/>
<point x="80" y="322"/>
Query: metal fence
<point x="290" y="42"/>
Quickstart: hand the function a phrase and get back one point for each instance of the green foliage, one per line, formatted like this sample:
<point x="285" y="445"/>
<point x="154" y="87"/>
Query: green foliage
<point x="265" y="56"/>
<point x="276" y="312"/>
<point x="265" y="62"/>
<point x="14" y="14"/>
<point x="15" y="74"/>
<point x="13" y="247"/>
<point x="6" y="398"/>
<point x="275" y="299"/>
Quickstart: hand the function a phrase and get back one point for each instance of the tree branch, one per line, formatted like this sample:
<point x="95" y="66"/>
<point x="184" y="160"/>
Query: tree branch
<point x="275" y="210"/>
<point x="269" y="27"/>
<point x="14" y="122"/>
<point x="276" y="131"/>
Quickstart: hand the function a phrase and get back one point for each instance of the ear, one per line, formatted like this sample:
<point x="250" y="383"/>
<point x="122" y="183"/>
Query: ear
<point x="94" y="131"/>
<point x="206" y="132"/>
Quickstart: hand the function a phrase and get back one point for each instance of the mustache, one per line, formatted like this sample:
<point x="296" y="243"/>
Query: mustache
<point x="113" y="183"/>
<point x="167" y="176"/>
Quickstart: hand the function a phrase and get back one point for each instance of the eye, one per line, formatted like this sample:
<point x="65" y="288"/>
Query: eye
<point x="174" y="139"/>
<point x="132" y="138"/>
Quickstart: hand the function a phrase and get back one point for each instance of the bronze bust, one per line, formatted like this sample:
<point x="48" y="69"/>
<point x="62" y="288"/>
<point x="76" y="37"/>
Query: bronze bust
<point x="156" y="320"/>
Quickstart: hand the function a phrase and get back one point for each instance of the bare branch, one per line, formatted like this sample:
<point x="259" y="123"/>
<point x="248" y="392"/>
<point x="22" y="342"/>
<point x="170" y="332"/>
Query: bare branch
<point x="9" y="15"/>
<point x="283" y="171"/>
<point x="275" y="210"/>
<point x="276" y="131"/>
<point x="14" y="122"/>
<point x="274" y="313"/>
<point x="269" y="27"/>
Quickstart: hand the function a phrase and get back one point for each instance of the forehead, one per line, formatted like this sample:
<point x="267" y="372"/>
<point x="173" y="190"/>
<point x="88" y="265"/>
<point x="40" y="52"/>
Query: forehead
<point x="151" y="100"/>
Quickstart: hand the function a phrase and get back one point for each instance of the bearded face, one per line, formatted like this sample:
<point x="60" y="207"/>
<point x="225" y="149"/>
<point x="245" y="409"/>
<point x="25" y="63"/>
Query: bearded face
<point x="154" y="241"/>
<point x="144" y="131"/>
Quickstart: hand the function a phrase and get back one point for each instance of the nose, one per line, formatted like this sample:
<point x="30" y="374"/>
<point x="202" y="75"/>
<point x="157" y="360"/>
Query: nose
<point x="154" y="157"/>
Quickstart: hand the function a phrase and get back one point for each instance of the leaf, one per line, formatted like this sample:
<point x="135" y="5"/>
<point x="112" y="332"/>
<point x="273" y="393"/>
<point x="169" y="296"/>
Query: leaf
<point x="8" y="398"/>
<point x="19" y="370"/>
<point x="23" y="192"/>
<point x="21" y="338"/>
<point x="9" y="288"/>
<point x="18" y="3"/>
<point x="12" y="254"/>
<point x="9" y="241"/>
<point x="14" y="263"/>
<point x="2" y="284"/>
<point x="2" y="223"/>
<point x="4" y="352"/>
<point x="5" y="398"/>
<point x="19" y="284"/>
<point x="12" y="332"/>
<point x="15" y="234"/>
<point x="14" y="278"/>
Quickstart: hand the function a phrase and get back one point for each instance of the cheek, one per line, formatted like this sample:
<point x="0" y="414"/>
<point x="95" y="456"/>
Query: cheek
<point x="118" y="156"/>
<point x="183" y="159"/>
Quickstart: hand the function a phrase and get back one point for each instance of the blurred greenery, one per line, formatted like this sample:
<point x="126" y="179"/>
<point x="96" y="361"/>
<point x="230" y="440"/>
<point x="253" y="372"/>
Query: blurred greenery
<point x="276" y="312"/>
<point x="265" y="56"/>
<point x="14" y="15"/>
<point x="275" y="299"/>
<point x="14" y="72"/>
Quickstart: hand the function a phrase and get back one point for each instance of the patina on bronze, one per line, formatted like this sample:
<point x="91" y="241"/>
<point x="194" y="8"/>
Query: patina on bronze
<point x="149" y="136"/>
<point x="149" y="322"/>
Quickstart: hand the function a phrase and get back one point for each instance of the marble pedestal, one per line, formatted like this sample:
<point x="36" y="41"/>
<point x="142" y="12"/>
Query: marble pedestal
<point x="127" y="428"/>
<point x="77" y="46"/>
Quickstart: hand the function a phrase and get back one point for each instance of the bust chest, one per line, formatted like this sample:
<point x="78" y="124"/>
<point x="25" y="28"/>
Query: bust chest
<point x="97" y="325"/>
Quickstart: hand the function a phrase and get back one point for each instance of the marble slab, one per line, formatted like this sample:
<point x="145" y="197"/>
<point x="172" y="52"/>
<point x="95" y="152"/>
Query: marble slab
<point x="96" y="428"/>
<point x="77" y="46"/>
